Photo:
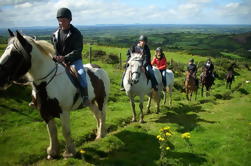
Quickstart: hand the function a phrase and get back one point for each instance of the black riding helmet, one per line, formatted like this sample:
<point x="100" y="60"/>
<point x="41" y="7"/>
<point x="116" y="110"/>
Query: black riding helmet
<point x="64" y="13"/>
<point x="191" y="60"/>
<point x="143" y="38"/>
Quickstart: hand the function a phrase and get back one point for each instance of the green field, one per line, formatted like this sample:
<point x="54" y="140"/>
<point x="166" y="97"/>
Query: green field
<point x="220" y="124"/>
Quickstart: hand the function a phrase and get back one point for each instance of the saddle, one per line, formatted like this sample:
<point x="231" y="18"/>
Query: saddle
<point x="73" y="76"/>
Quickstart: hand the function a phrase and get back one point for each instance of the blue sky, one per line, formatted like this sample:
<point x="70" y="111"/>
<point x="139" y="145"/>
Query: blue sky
<point x="16" y="13"/>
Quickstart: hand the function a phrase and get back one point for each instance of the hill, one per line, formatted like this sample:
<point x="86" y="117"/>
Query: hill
<point x="219" y="124"/>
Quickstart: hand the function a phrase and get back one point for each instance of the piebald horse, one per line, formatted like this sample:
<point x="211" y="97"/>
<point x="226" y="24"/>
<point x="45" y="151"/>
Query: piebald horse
<point x="137" y="84"/>
<point x="54" y="92"/>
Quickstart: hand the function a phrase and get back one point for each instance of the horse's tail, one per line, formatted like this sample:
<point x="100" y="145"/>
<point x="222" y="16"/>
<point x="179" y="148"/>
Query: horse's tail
<point x="107" y="86"/>
<point x="169" y="78"/>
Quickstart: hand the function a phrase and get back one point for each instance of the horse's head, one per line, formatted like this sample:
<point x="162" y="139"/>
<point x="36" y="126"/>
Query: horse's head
<point x="16" y="59"/>
<point x="135" y="67"/>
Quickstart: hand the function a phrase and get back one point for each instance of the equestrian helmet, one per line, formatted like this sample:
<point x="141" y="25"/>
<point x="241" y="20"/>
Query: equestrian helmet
<point x="64" y="13"/>
<point x="143" y="38"/>
<point x="191" y="60"/>
<point x="159" y="49"/>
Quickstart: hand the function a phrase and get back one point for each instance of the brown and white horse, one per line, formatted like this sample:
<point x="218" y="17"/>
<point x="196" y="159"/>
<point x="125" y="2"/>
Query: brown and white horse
<point x="54" y="92"/>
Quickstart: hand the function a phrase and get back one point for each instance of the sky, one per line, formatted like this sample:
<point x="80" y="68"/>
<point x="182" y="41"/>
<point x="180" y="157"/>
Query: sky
<point x="27" y="13"/>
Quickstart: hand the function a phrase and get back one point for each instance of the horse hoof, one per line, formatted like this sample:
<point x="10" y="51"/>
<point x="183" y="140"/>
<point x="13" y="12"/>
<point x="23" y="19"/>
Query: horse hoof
<point x="49" y="157"/>
<point x="67" y="155"/>
<point x="133" y="120"/>
<point x="142" y="121"/>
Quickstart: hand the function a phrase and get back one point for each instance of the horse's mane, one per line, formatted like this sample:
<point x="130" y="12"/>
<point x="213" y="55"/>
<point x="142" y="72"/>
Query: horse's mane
<point x="136" y="57"/>
<point x="46" y="47"/>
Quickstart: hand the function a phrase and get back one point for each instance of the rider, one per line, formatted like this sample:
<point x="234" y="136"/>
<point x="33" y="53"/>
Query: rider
<point x="160" y="62"/>
<point x="210" y="67"/>
<point x="142" y="48"/>
<point x="68" y="43"/>
<point x="192" y="68"/>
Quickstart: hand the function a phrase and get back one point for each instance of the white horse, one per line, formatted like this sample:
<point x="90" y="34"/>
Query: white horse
<point x="137" y="84"/>
<point x="54" y="92"/>
<point x="169" y="85"/>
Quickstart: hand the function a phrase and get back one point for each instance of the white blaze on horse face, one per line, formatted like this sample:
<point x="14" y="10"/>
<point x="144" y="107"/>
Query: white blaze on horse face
<point x="135" y="70"/>
<point x="6" y="54"/>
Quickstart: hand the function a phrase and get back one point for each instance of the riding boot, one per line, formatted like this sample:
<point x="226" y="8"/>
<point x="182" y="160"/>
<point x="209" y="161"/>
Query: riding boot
<point x="154" y="83"/>
<point x="84" y="94"/>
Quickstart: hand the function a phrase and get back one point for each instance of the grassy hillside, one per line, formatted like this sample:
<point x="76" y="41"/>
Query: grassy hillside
<point x="219" y="125"/>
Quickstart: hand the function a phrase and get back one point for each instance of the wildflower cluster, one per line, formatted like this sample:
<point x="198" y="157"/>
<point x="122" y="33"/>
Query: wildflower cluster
<point x="163" y="137"/>
<point x="186" y="136"/>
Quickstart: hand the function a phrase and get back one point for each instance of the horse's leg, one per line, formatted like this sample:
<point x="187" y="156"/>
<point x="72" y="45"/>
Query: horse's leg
<point x="158" y="102"/>
<point x="208" y="91"/>
<point x="100" y="116"/>
<point x="164" y="94"/>
<point x="195" y="93"/>
<point x="141" y="101"/>
<point x="187" y="94"/>
<point x="191" y="94"/>
<point x="149" y="103"/>
<point x="133" y="109"/>
<point x="53" y="149"/>
<point x="170" y="95"/>
<point x="202" y="86"/>
<point x="70" y="147"/>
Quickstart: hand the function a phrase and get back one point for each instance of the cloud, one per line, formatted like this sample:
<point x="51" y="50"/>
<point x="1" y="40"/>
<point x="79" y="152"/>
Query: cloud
<point x="235" y="12"/>
<point x="43" y="13"/>
<point x="14" y="2"/>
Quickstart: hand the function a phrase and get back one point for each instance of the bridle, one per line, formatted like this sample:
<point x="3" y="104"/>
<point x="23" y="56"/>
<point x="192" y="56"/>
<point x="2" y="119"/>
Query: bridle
<point x="19" y="48"/>
<point x="135" y="72"/>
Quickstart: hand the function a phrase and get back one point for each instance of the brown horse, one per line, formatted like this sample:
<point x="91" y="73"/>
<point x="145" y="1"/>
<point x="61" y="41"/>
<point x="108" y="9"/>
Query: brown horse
<point x="230" y="75"/>
<point x="191" y="85"/>
<point x="206" y="80"/>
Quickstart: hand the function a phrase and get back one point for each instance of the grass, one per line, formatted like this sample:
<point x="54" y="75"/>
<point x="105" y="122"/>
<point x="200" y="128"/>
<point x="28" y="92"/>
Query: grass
<point x="219" y="126"/>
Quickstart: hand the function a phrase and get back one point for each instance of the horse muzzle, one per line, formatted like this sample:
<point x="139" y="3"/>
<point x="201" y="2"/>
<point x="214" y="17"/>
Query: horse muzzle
<point x="135" y="81"/>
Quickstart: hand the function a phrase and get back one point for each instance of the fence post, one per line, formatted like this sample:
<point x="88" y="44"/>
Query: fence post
<point x="120" y="60"/>
<point x="171" y="61"/>
<point x="90" y="55"/>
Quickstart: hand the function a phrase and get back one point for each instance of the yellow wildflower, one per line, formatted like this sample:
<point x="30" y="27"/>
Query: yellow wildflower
<point x="167" y="148"/>
<point x="168" y="134"/>
<point x="186" y="135"/>
<point x="161" y="139"/>
<point x="82" y="151"/>
<point x="167" y="128"/>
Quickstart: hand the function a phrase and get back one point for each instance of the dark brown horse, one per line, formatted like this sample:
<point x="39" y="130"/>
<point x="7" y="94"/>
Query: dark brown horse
<point x="230" y="75"/>
<point x="206" y="80"/>
<point x="191" y="85"/>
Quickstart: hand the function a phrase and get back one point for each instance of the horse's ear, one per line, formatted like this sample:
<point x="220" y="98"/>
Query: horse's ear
<point x="26" y="45"/>
<point x="11" y="33"/>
